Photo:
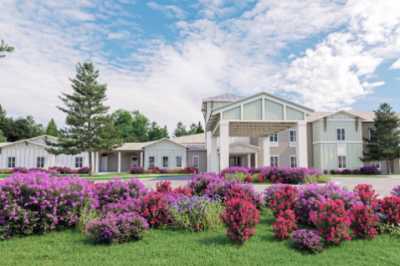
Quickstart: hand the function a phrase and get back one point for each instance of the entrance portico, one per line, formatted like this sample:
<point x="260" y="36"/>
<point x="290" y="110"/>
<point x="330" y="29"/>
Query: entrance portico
<point x="254" y="120"/>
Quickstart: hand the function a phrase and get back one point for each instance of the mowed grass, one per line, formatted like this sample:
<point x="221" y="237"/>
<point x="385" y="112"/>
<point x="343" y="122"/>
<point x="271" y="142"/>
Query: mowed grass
<point x="167" y="247"/>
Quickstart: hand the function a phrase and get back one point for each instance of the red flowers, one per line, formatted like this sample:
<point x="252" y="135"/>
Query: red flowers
<point x="366" y="193"/>
<point x="363" y="221"/>
<point x="281" y="197"/>
<point x="390" y="208"/>
<point x="164" y="186"/>
<point x="155" y="209"/>
<point x="332" y="221"/>
<point x="241" y="217"/>
<point x="285" y="224"/>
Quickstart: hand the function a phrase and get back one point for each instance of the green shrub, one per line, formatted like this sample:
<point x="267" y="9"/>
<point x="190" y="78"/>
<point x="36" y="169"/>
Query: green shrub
<point x="87" y="214"/>
<point x="196" y="214"/>
<point x="316" y="179"/>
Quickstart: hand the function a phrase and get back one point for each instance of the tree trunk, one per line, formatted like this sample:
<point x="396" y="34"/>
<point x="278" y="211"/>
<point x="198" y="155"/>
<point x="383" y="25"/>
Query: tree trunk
<point x="90" y="163"/>
<point x="388" y="167"/>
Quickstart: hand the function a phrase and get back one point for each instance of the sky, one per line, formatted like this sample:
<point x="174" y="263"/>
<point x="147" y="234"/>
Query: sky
<point x="164" y="57"/>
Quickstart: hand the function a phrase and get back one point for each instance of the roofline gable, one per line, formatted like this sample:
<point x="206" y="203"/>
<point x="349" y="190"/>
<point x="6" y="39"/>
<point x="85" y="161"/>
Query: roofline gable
<point x="162" y="140"/>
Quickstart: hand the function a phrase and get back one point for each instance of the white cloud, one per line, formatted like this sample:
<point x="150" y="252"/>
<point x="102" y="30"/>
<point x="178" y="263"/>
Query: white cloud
<point x="396" y="64"/>
<point x="231" y="47"/>
<point x="170" y="10"/>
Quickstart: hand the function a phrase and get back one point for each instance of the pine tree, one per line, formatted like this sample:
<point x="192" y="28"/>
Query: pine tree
<point x="180" y="130"/>
<point x="52" y="129"/>
<point x="4" y="48"/>
<point x="384" y="142"/>
<point x="200" y="128"/>
<point x="88" y="127"/>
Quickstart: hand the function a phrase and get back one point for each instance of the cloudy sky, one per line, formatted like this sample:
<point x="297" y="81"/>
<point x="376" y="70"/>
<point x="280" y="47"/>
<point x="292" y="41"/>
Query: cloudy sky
<point x="163" y="57"/>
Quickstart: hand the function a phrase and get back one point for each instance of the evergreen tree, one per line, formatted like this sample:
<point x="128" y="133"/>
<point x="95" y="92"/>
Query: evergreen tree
<point x="140" y="126"/>
<point x="52" y="129"/>
<point x="384" y="142"/>
<point x="89" y="128"/>
<point x="4" y="48"/>
<point x="2" y="137"/>
<point x="180" y="130"/>
<point x="200" y="128"/>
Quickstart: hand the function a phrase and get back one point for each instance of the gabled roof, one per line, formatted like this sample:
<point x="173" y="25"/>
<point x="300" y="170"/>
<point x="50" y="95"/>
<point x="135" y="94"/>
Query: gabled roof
<point x="268" y="95"/>
<point x="191" y="139"/>
<point x="226" y="97"/>
<point x="365" y="116"/>
<point x="164" y="140"/>
<point x="30" y="140"/>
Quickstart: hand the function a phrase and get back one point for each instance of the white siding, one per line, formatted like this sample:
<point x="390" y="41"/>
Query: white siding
<point x="165" y="148"/>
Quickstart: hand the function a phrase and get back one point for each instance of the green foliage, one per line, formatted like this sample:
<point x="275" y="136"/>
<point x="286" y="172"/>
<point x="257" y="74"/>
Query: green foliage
<point x="2" y="137"/>
<point x="384" y="143"/>
<point x="316" y="179"/>
<point x="5" y="48"/>
<point x="197" y="215"/>
<point x="193" y="129"/>
<point x="52" y="129"/>
<point x="87" y="214"/>
<point x="89" y="127"/>
<point x="136" y="127"/>
<point x="393" y="230"/>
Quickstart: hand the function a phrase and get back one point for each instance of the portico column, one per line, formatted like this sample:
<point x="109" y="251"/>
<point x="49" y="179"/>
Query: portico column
<point x="224" y="145"/>
<point x="266" y="152"/>
<point x="97" y="162"/>
<point x="119" y="162"/>
<point x="249" y="160"/>
<point x="302" y="147"/>
<point x="141" y="159"/>
<point x="256" y="160"/>
<point x="212" y="156"/>
<point x="93" y="162"/>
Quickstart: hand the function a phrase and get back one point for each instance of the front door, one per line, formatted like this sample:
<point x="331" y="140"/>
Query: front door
<point x="104" y="163"/>
<point x="135" y="161"/>
<point x="235" y="160"/>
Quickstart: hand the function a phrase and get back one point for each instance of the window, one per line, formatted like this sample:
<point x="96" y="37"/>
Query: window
<point x="273" y="139"/>
<point x="151" y="162"/>
<point x="342" y="162"/>
<point x="40" y="162"/>
<point x="11" y="162"/>
<point x="292" y="135"/>
<point x="196" y="161"/>
<point x="178" y="161"/>
<point x="274" y="161"/>
<point x="78" y="162"/>
<point x="341" y="134"/>
<point x="165" y="161"/>
<point x="293" y="161"/>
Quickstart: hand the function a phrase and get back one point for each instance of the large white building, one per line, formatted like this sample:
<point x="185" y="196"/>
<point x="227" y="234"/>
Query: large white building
<point x="255" y="131"/>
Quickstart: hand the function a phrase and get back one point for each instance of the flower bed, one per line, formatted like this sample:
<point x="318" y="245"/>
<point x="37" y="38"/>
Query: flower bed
<point x="364" y="170"/>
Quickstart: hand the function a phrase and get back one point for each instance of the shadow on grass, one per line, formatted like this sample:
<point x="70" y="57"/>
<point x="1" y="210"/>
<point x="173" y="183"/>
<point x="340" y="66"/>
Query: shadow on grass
<point x="220" y="240"/>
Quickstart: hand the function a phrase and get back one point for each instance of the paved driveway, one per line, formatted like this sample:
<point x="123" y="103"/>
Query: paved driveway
<point x="382" y="184"/>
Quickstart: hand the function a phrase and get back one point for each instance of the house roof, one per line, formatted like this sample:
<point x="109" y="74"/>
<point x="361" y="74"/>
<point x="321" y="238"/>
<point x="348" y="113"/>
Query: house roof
<point x="191" y="139"/>
<point x="133" y="146"/>
<point x="226" y="97"/>
<point x="30" y="140"/>
<point x="365" y="116"/>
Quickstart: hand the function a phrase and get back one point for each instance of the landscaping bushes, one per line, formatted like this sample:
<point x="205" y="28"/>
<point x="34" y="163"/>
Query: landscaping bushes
<point x="280" y="198"/>
<point x="155" y="209"/>
<point x="116" y="228"/>
<point x="35" y="203"/>
<point x="364" y="221"/>
<point x="309" y="240"/>
<point x="285" y="224"/>
<point x="364" y="170"/>
<point x="196" y="213"/>
<point x="240" y="217"/>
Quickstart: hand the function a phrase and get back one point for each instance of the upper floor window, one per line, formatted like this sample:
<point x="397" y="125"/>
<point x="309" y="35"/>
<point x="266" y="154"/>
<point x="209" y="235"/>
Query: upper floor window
<point x="274" y="161"/>
<point x="11" y="162"/>
<point x="292" y="135"/>
<point x="293" y="161"/>
<point x="178" y="161"/>
<point x="151" y="162"/>
<point x="78" y="162"/>
<point x="342" y="163"/>
<point x="40" y="162"/>
<point x="165" y="161"/>
<point x="273" y="138"/>
<point x="341" y="134"/>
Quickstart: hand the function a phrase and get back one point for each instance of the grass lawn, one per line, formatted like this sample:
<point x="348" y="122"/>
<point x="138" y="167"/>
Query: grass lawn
<point x="166" y="247"/>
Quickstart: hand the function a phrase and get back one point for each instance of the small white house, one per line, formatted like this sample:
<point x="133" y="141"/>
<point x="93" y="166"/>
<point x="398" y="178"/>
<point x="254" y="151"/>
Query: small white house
<point x="32" y="153"/>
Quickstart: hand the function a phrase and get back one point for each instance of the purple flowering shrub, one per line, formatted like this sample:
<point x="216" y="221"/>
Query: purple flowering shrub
<point x="309" y="240"/>
<point x="35" y="203"/>
<point x="196" y="213"/>
<point x="396" y="191"/>
<point x="116" y="228"/>
<point x="116" y="191"/>
<point x="200" y="182"/>
<point x="286" y="175"/>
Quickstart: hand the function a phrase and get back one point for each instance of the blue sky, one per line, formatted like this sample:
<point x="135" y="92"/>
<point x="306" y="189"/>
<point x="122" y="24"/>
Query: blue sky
<point x="163" y="57"/>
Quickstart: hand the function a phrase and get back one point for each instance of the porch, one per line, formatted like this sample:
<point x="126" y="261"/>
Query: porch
<point x="119" y="161"/>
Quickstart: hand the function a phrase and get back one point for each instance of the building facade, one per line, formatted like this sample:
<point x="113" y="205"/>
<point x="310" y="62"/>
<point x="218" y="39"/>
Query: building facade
<point x="255" y="131"/>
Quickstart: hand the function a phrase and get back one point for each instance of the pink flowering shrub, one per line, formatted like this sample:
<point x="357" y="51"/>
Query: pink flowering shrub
<point x="284" y="175"/>
<point x="285" y="224"/>
<point x="201" y="182"/>
<point x="240" y="217"/>
<point x="366" y="193"/>
<point x="396" y="191"/>
<point x="164" y="186"/>
<point x="242" y="191"/>
<point x="155" y="209"/>
<point x="116" y="228"/>
<point x="364" y="221"/>
<point x="332" y="221"/>
<point x="389" y="210"/>
<point x="35" y="203"/>
<point x="280" y="198"/>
